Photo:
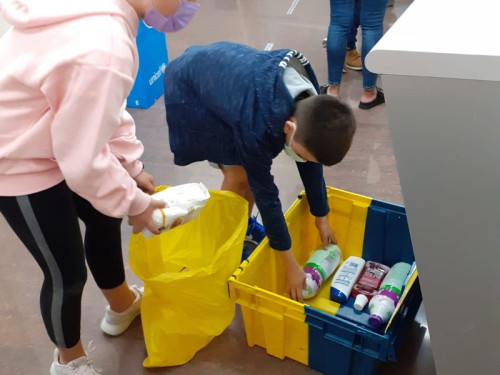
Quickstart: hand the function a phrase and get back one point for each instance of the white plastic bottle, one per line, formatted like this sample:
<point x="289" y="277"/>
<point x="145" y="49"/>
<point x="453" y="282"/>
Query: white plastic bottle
<point x="183" y="204"/>
<point x="396" y="277"/>
<point x="320" y="267"/>
<point x="344" y="279"/>
<point x="382" y="306"/>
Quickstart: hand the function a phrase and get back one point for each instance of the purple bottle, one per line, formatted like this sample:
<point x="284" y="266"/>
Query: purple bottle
<point x="319" y="267"/>
<point x="382" y="306"/>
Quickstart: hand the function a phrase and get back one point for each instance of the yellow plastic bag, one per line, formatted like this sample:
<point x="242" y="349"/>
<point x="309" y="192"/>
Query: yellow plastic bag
<point x="185" y="272"/>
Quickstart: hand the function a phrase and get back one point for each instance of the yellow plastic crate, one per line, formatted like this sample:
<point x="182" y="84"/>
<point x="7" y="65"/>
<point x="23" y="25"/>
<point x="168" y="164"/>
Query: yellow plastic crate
<point x="273" y="321"/>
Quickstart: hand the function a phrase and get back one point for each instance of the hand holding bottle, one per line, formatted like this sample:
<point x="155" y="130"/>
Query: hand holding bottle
<point x="144" y="219"/>
<point x="295" y="276"/>
<point x="325" y="231"/>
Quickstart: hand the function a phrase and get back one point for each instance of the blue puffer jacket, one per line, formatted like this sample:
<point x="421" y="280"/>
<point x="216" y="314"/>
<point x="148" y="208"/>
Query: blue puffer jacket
<point x="227" y="103"/>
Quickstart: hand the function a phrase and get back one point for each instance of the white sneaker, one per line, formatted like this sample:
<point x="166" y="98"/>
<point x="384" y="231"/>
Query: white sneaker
<point x="79" y="366"/>
<point x="115" y="323"/>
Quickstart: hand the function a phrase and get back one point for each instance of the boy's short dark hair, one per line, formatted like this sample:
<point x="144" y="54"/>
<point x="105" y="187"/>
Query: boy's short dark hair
<point x="325" y="127"/>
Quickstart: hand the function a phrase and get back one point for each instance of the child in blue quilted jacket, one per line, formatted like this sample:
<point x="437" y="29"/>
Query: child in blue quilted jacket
<point x="238" y="108"/>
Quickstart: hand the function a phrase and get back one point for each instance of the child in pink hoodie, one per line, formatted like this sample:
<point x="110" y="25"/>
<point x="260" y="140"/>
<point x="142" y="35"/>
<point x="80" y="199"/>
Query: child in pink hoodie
<point x="68" y="150"/>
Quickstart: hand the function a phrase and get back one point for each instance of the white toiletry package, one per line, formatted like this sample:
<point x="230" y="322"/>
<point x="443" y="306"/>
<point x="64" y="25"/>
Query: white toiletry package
<point x="183" y="204"/>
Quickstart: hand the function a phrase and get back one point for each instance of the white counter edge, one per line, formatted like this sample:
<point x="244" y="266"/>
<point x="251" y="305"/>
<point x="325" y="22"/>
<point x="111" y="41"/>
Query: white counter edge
<point x="442" y="38"/>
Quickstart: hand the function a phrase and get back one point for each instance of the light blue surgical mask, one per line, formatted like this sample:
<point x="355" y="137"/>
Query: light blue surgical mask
<point x="293" y="155"/>
<point x="174" y="22"/>
<point x="289" y="151"/>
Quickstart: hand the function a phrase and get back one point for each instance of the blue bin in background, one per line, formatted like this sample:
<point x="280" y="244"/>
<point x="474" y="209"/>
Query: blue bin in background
<point x="153" y="59"/>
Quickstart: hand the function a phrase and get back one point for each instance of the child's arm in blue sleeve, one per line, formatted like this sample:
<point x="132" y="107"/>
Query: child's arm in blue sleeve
<point x="266" y="196"/>
<point x="314" y="184"/>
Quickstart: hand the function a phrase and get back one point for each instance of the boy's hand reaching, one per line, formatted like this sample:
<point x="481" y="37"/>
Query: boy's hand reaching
<point x="295" y="276"/>
<point x="145" y="182"/>
<point x="325" y="231"/>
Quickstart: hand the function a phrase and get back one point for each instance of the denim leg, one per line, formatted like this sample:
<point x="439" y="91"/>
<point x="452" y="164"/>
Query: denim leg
<point x="372" y="28"/>
<point x="351" y="39"/>
<point x="341" y="17"/>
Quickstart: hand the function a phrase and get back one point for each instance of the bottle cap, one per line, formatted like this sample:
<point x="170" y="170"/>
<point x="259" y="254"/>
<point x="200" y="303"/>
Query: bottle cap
<point x="375" y="321"/>
<point x="361" y="301"/>
<point x="337" y="296"/>
<point x="390" y="294"/>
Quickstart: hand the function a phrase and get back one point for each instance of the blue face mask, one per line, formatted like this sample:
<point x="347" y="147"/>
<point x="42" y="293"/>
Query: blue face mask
<point x="290" y="152"/>
<point x="174" y="22"/>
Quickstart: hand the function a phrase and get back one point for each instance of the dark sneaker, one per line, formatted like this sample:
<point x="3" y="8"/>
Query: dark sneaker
<point x="246" y="252"/>
<point x="255" y="231"/>
<point x="379" y="99"/>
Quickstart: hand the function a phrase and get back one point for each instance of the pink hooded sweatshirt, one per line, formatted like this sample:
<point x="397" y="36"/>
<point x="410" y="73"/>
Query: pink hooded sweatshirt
<point x="66" y="68"/>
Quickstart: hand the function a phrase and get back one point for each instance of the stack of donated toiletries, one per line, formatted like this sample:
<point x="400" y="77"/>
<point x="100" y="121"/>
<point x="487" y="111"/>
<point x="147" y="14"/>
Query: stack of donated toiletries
<point x="368" y="282"/>
<point x="371" y="282"/>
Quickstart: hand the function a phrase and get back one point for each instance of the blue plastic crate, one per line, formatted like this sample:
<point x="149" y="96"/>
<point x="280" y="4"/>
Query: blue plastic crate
<point x="345" y="344"/>
<point x="153" y="59"/>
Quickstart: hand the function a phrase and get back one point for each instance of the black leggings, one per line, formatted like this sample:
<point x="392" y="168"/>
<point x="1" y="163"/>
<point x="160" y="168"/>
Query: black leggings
<point x="47" y="224"/>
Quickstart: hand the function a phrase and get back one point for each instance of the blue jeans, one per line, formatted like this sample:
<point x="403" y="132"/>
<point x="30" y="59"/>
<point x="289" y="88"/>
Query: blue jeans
<point x="371" y="19"/>
<point x="353" y="32"/>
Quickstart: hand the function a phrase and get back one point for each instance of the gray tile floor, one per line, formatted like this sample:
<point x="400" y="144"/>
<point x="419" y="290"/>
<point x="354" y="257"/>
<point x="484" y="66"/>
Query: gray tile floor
<point x="368" y="169"/>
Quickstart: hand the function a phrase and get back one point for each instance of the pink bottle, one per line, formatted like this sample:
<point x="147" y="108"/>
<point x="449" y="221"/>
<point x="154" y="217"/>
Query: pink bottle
<point x="367" y="285"/>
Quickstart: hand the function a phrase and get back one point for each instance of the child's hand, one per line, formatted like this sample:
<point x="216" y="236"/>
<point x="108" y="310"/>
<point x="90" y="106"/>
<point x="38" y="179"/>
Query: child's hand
<point x="295" y="276"/>
<point x="325" y="231"/>
<point x="145" y="219"/>
<point x="145" y="182"/>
